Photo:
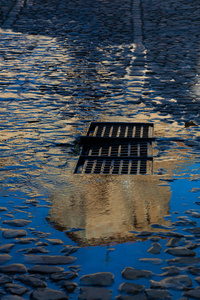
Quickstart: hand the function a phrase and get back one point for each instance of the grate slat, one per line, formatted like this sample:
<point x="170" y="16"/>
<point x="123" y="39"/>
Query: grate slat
<point x="115" y="131"/>
<point x="125" y="167"/>
<point x="107" y="131"/>
<point x="137" y="131"/>
<point x="99" y="131"/>
<point x="143" y="167"/>
<point x="145" y="131"/>
<point x="98" y="167"/>
<point x="122" y="131"/>
<point x="126" y="149"/>
<point x="114" y="166"/>
<point x="130" y="131"/>
<point x="134" y="167"/>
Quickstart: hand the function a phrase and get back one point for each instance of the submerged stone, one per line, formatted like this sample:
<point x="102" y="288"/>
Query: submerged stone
<point x="21" y="206"/>
<point x="154" y="261"/>
<point x="69" y="249"/>
<point x="4" y="258"/>
<point x="12" y="297"/>
<point x="9" y="215"/>
<point x="169" y="234"/>
<point x="32" y="281"/>
<point x="185" y="260"/>
<point x="131" y="273"/>
<point x="17" y="222"/>
<point x="197" y="279"/>
<point x="160" y="226"/>
<point x="49" y="259"/>
<point x="15" y="289"/>
<point x="195" y="230"/>
<point x="178" y="283"/>
<point x="155" y="249"/>
<point x="27" y="240"/>
<point x="55" y="241"/>
<point x="180" y="251"/>
<point x="48" y="294"/>
<point x="6" y="248"/>
<point x="13" y="268"/>
<point x="75" y="268"/>
<point x="13" y="233"/>
<point x="185" y="222"/>
<point x="3" y="208"/>
<point x="144" y="233"/>
<point x="193" y="270"/>
<point x="34" y="250"/>
<point x="69" y="286"/>
<point x="194" y="190"/>
<point x="5" y="279"/>
<point x="194" y="293"/>
<point x="40" y="234"/>
<point x="63" y="275"/>
<point x="41" y="244"/>
<point x="141" y="296"/>
<point x="170" y="271"/>
<point x="193" y="213"/>
<point x="95" y="293"/>
<point x="158" y="294"/>
<point x="98" y="279"/>
<point x="191" y="245"/>
<point x="174" y="242"/>
<point x="45" y="269"/>
<point x="131" y="288"/>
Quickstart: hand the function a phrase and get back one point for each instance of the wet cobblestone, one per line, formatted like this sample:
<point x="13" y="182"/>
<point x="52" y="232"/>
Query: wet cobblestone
<point x="171" y="39"/>
<point x="5" y="9"/>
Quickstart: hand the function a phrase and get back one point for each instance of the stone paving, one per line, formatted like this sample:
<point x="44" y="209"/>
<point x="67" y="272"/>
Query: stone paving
<point x="172" y="41"/>
<point x="63" y="64"/>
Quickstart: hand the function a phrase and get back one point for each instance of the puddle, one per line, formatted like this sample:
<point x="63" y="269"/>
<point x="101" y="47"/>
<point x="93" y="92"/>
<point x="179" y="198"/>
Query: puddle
<point x="53" y="83"/>
<point x="108" y="208"/>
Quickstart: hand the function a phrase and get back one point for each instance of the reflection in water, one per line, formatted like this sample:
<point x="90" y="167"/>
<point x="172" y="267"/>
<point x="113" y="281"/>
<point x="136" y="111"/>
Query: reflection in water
<point x="109" y="207"/>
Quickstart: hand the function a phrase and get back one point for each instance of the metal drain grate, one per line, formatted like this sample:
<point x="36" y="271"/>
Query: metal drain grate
<point x="90" y="165"/>
<point x="117" y="148"/>
<point x="136" y="150"/>
<point x="122" y="130"/>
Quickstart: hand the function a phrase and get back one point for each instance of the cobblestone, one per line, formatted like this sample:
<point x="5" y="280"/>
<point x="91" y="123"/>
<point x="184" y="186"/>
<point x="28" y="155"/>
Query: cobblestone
<point x="170" y="36"/>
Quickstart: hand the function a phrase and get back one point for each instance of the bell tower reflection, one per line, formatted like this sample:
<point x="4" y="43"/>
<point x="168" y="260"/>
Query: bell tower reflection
<point x="107" y="208"/>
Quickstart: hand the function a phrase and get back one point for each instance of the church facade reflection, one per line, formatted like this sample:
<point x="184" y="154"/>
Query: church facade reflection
<point x="107" y="208"/>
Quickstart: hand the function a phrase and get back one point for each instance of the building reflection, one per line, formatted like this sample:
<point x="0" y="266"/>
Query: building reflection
<point x="109" y="207"/>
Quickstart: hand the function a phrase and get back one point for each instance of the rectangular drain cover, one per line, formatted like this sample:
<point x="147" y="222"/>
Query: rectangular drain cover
<point x="119" y="129"/>
<point x="117" y="148"/>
